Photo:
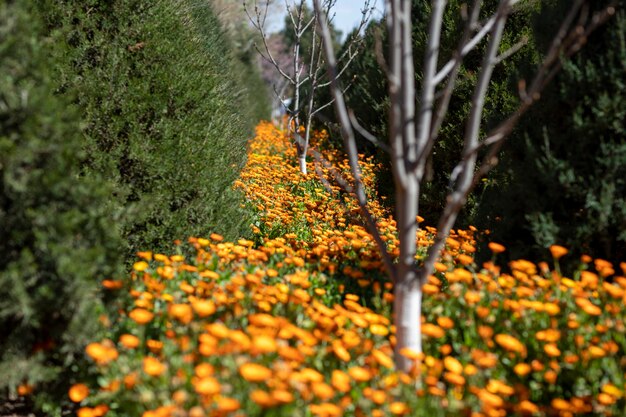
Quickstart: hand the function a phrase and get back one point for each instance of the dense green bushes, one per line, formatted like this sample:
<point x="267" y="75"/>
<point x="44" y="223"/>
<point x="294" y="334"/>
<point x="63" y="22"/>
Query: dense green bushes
<point x="122" y="126"/>
<point x="57" y="226"/>
<point x="166" y="109"/>
<point x="564" y="172"/>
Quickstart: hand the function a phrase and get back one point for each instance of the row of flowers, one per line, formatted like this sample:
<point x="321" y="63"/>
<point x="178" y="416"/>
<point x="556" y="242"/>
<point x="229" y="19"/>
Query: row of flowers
<point x="297" y="321"/>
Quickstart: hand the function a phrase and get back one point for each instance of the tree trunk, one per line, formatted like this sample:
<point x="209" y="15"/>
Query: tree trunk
<point x="302" y="164"/>
<point x="407" y="290"/>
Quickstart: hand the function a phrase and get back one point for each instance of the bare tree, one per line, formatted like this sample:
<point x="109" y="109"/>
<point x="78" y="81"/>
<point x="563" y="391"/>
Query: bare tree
<point x="306" y="73"/>
<point x="415" y="120"/>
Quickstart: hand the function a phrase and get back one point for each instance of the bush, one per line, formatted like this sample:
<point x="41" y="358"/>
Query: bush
<point x="564" y="172"/>
<point x="167" y="113"/>
<point x="58" y="231"/>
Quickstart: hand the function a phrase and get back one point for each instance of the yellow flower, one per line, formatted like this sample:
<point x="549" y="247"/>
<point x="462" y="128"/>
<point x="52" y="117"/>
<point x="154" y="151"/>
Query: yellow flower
<point x="140" y="266"/>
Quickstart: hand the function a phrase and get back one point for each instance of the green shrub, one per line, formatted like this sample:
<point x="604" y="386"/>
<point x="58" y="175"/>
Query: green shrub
<point x="565" y="170"/>
<point x="58" y="234"/>
<point x="167" y="111"/>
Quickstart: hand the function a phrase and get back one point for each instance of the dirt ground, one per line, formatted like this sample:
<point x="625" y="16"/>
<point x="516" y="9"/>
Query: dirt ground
<point x="14" y="408"/>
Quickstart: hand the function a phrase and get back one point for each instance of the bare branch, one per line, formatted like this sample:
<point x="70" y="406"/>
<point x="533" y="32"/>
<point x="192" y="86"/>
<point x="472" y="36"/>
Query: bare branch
<point x="349" y="140"/>
<point x="446" y="95"/>
<point x="259" y="23"/>
<point x="456" y="200"/>
<point x="512" y="50"/>
<point x="467" y="48"/>
<point x="366" y="134"/>
<point x="565" y="38"/>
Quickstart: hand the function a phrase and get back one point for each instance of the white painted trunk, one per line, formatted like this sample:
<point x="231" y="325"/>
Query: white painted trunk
<point x="407" y="304"/>
<point x="302" y="163"/>
<point x="407" y="319"/>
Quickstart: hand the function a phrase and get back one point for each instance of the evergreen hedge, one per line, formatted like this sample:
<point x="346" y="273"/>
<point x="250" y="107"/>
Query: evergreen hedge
<point x="564" y="172"/>
<point x="58" y="232"/>
<point x="123" y="124"/>
<point x="167" y="112"/>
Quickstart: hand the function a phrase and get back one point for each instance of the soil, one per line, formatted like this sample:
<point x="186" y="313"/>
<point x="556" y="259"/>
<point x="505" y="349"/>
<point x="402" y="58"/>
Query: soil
<point x="15" y="408"/>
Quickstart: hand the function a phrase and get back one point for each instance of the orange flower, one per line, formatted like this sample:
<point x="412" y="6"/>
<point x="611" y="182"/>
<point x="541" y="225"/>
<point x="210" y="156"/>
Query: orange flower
<point x="522" y="369"/>
<point x="453" y="365"/>
<point x="359" y="374"/>
<point x="203" y="308"/>
<point x="262" y="398"/>
<point x="85" y="412"/>
<point x="558" y="251"/>
<point x="485" y="332"/>
<point x="454" y="378"/>
<point x="102" y="353"/>
<point x="496" y="247"/>
<point x="322" y="390"/>
<point x="78" y="392"/>
<point x="326" y="410"/>
<point x="527" y="407"/>
<point x="282" y="396"/>
<point x="264" y="344"/>
<point x="253" y="372"/>
<point x="596" y="352"/>
<point x="340" y="351"/>
<point x="207" y="386"/>
<point x="152" y="366"/>
<point x="398" y="408"/>
<point x="552" y="350"/>
<point x="561" y="404"/>
<point x="110" y="284"/>
<point x="129" y="341"/>
<point x="25" y="389"/>
<point x="340" y="380"/>
<point x="510" y="343"/>
<point x="130" y="380"/>
<point x="379" y="329"/>
<point x="445" y="322"/>
<point x="382" y="359"/>
<point x="550" y="376"/>
<point x="181" y="312"/>
<point x="226" y="404"/>
<point x="588" y="307"/>
<point x="432" y="330"/>
<point x="141" y="316"/>
<point x="140" y="266"/>
<point x="216" y="237"/>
